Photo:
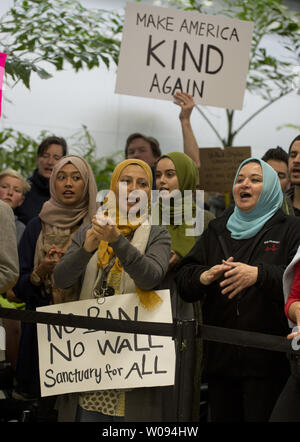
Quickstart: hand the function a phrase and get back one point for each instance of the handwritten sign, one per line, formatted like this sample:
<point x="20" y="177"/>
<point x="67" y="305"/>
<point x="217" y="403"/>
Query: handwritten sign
<point x="165" y="50"/>
<point x="2" y="64"/>
<point x="219" y="166"/>
<point x="2" y="337"/>
<point x="2" y="342"/>
<point x="75" y="359"/>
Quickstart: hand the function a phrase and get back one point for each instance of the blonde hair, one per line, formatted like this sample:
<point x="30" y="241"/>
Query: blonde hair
<point x="14" y="174"/>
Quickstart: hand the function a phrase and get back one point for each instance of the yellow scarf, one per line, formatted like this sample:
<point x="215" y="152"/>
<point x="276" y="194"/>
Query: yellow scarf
<point x="149" y="298"/>
<point x="106" y="252"/>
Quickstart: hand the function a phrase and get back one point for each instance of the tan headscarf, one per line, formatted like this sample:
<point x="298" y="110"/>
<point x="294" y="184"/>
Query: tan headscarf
<point x="55" y="213"/>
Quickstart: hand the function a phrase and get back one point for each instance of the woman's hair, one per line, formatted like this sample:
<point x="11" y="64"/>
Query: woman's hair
<point x="52" y="140"/>
<point x="295" y="139"/>
<point x="14" y="174"/>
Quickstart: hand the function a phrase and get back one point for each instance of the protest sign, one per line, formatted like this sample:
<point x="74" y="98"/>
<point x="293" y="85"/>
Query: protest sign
<point x="219" y="166"/>
<point x="2" y="342"/>
<point x="2" y="64"/>
<point x="165" y="50"/>
<point x="2" y="337"/>
<point x="75" y="359"/>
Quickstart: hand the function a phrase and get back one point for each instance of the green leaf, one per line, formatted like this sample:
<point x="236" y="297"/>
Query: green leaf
<point x="42" y="73"/>
<point x="55" y="31"/>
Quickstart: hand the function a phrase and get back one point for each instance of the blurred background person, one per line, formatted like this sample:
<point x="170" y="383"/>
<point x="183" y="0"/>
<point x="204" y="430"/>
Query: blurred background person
<point x="13" y="188"/>
<point x="9" y="263"/>
<point x="148" y="149"/>
<point x="279" y="160"/>
<point x="294" y="171"/>
<point x="49" y="152"/>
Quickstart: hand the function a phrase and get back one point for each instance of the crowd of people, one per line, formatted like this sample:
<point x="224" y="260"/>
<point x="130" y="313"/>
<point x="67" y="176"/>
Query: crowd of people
<point x="240" y="271"/>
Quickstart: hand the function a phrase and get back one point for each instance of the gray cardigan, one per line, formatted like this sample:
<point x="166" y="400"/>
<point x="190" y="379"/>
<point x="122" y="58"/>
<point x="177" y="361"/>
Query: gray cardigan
<point x="147" y="270"/>
<point x="9" y="262"/>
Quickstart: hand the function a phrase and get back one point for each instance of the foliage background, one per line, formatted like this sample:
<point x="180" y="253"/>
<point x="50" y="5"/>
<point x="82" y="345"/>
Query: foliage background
<point x="89" y="63"/>
<point x="39" y="35"/>
<point x="19" y="153"/>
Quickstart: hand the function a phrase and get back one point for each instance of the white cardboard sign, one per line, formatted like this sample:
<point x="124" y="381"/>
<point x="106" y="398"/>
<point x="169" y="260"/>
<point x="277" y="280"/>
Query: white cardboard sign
<point x="166" y="50"/>
<point x="76" y="359"/>
<point x="2" y="338"/>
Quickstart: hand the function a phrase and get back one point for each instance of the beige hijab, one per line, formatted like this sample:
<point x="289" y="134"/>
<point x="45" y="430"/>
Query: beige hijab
<point x="55" y="213"/>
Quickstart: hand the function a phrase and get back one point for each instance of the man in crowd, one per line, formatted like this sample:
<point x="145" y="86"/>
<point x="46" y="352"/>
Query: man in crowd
<point x="279" y="160"/>
<point x="147" y="148"/>
<point x="294" y="170"/>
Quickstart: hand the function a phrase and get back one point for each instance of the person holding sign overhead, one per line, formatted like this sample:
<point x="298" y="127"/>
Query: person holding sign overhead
<point x="72" y="203"/>
<point x="236" y="269"/>
<point x="148" y="149"/>
<point x="120" y="252"/>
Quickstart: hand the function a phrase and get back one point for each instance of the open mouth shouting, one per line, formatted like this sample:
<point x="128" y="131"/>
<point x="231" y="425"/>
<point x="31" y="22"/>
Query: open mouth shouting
<point x="68" y="194"/>
<point x="245" y="196"/>
<point x="248" y="186"/>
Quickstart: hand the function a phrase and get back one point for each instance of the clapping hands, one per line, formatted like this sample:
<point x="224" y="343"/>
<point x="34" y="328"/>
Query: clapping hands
<point x="103" y="229"/>
<point x="238" y="276"/>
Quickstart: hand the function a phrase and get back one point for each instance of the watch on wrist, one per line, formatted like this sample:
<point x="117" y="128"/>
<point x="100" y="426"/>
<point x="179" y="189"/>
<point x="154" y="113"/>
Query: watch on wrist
<point x="35" y="279"/>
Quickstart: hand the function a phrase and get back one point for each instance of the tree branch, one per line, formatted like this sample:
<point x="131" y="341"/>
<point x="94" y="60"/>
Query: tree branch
<point x="229" y="114"/>
<point x="260" y="110"/>
<point x="211" y="125"/>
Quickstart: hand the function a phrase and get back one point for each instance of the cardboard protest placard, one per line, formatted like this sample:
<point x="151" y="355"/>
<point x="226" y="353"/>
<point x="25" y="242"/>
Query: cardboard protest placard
<point x="75" y="359"/>
<point x="219" y="166"/>
<point x="166" y="50"/>
<point x="2" y="64"/>
<point x="2" y="337"/>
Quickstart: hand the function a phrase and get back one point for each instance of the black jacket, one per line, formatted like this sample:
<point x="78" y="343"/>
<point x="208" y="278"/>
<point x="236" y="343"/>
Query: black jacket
<point x="289" y="195"/>
<point x="35" y="198"/>
<point x="259" y="308"/>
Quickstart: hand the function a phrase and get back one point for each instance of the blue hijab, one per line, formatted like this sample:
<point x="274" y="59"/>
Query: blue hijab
<point x="243" y="225"/>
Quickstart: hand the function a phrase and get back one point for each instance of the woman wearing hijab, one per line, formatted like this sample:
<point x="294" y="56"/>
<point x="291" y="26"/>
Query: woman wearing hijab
<point x="46" y="238"/>
<point x="236" y="270"/>
<point x="175" y="172"/>
<point x="132" y="256"/>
